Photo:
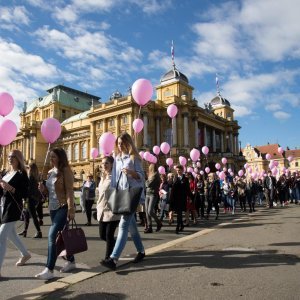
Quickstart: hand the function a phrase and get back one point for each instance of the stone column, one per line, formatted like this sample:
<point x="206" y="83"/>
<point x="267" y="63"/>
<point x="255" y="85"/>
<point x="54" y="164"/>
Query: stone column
<point x="157" y="123"/>
<point x="93" y="141"/>
<point x="185" y="130"/>
<point x="174" y="132"/>
<point x="214" y="140"/>
<point x="204" y="133"/>
<point x="222" y="141"/>
<point x="196" y="144"/>
<point x="145" y="120"/>
<point x="117" y="125"/>
<point x="231" y="142"/>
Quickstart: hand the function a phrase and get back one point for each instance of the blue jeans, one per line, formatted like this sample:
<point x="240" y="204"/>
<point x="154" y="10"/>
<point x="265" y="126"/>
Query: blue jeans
<point x="127" y="223"/>
<point x="59" y="220"/>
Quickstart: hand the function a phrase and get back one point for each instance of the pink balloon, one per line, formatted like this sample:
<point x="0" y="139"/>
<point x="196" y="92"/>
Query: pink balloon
<point x="141" y="153"/>
<point x="268" y="156"/>
<point x="165" y="148"/>
<point x="274" y="171"/>
<point x="196" y="170"/>
<point x="290" y="158"/>
<point x="154" y="160"/>
<point x="218" y="172"/>
<point x="138" y="125"/>
<point x="218" y="166"/>
<point x="280" y="150"/>
<point x="224" y="169"/>
<point x="250" y="170"/>
<point x="172" y="111"/>
<point x="229" y="170"/>
<point x="107" y="143"/>
<point x="142" y="91"/>
<point x="161" y="170"/>
<point x="147" y="155"/>
<point x="198" y="164"/>
<point x="246" y="165"/>
<point x="207" y="170"/>
<point x="156" y="150"/>
<point x="182" y="160"/>
<point x="94" y="153"/>
<point x="8" y="132"/>
<point x="169" y="162"/>
<point x="231" y="174"/>
<point x="241" y="173"/>
<point x="51" y="130"/>
<point x="194" y="154"/>
<point x="201" y="172"/>
<point x="205" y="150"/>
<point x="275" y="163"/>
<point x="224" y="160"/>
<point x="190" y="170"/>
<point x="222" y="175"/>
<point x="6" y="104"/>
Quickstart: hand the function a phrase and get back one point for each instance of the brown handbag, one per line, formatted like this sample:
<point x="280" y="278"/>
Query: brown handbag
<point x="70" y="241"/>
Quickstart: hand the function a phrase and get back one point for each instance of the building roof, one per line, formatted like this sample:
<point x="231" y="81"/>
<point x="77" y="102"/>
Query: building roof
<point x="219" y="101"/>
<point x="173" y="74"/>
<point x="66" y="96"/>
<point x="294" y="153"/>
<point x="271" y="149"/>
<point x="80" y="116"/>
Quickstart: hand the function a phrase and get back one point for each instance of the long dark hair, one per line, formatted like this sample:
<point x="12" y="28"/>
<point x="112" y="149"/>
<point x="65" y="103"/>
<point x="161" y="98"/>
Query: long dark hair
<point x="62" y="159"/>
<point x="34" y="171"/>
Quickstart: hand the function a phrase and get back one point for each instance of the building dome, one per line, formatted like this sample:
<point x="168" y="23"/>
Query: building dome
<point x="116" y="95"/>
<point x="174" y="74"/>
<point x="219" y="100"/>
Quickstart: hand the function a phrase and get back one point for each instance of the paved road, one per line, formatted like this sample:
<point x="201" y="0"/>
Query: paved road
<point x="255" y="256"/>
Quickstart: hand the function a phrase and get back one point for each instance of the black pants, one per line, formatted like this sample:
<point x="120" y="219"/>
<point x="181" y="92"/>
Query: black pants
<point x="107" y="233"/>
<point x="32" y="210"/>
<point x="88" y="209"/>
<point x="211" y="204"/>
<point x="39" y="210"/>
<point x="200" y="204"/>
<point x="179" y="220"/>
<point x="242" y="200"/>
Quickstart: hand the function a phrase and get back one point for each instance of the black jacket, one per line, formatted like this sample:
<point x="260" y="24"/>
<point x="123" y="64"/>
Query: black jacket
<point x="179" y="193"/>
<point x="12" y="203"/>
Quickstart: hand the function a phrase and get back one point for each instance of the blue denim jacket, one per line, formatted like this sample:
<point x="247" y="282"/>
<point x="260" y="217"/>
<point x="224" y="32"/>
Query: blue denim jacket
<point x="126" y="180"/>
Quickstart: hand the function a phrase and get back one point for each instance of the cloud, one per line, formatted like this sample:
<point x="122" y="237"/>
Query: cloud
<point x="12" y="18"/>
<point x="152" y="6"/>
<point x="273" y="106"/>
<point x="281" y="115"/>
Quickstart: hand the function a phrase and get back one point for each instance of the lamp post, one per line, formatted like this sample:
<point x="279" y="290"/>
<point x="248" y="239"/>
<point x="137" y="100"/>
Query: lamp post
<point x="227" y="143"/>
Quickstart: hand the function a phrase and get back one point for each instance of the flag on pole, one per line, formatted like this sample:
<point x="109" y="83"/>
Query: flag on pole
<point x="217" y="84"/>
<point x="172" y="52"/>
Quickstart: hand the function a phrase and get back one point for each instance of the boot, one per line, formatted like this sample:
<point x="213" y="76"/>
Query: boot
<point x="141" y="217"/>
<point x="24" y="233"/>
<point x="148" y="230"/>
<point x="38" y="235"/>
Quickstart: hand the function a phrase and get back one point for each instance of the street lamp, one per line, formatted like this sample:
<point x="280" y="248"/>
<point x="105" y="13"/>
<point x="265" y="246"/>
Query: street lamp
<point x="227" y="143"/>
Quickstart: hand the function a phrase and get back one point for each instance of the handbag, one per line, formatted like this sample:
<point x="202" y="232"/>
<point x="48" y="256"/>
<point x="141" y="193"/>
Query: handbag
<point x="70" y="241"/>
<point x="124" y="202"/>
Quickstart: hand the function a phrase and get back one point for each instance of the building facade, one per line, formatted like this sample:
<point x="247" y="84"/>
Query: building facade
<point x="84" y="119"/>
<point x="256" y="157"/>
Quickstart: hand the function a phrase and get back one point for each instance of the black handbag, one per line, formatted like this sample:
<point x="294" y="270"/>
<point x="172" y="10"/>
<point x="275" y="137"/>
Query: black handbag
<point x="124" y="202"/>
<point x="70" y="241"/>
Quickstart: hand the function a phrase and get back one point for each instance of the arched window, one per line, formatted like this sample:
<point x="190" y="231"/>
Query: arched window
<point x="84" y="150"/>
<point x="76" y="152"/>
<point x="68" y="152"/>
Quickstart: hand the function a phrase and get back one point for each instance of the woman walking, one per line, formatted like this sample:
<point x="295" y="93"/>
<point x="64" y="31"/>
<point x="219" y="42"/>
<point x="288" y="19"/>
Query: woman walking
<point x="34" y="197"/>
<point x="152" y="196"/>
<point x="89" y="193"/>
<point x="127" y="166"/>
<point x="108" y="222"/>
<point x="13" y="188"/>
<point x="59" y="186"/>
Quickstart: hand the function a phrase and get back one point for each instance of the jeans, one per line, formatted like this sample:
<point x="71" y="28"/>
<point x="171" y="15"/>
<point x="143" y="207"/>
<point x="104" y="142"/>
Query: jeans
<point x="127" y="223"/>
<point x="59" y="220"/>
<point x="107" y="233"/>
<point x="8" y="231"/>
<point x="150" y="203"/>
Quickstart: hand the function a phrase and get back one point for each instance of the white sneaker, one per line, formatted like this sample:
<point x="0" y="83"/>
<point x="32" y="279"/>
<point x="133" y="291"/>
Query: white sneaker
<point x="68" y="267"/>
<point x="45" y="275"/>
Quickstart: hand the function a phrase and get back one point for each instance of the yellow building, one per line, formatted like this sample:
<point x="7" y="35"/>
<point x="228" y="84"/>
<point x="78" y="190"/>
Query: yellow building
<point x="256" y="157"/>
<point x="84" y="119"/>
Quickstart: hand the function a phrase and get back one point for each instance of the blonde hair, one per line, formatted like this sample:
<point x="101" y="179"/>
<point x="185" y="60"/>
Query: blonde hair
<point x="128" y="143"/>
<point x="20" y="158"/>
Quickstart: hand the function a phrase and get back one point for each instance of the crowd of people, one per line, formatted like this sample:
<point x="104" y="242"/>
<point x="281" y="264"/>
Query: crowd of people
<point x="176" y="196"/>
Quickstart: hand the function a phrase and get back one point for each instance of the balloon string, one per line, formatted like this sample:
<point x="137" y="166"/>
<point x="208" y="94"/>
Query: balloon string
<point x="45" y="161"/>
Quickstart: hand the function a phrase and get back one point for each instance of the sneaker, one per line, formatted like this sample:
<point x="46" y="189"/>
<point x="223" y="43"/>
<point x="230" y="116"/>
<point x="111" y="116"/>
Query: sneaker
<point x="68" y="267"/>
<point x="140" y="256"/>
<point x="22" y="260"/>
<point x="45" y="275"/>
<point x="109" y="263"/>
